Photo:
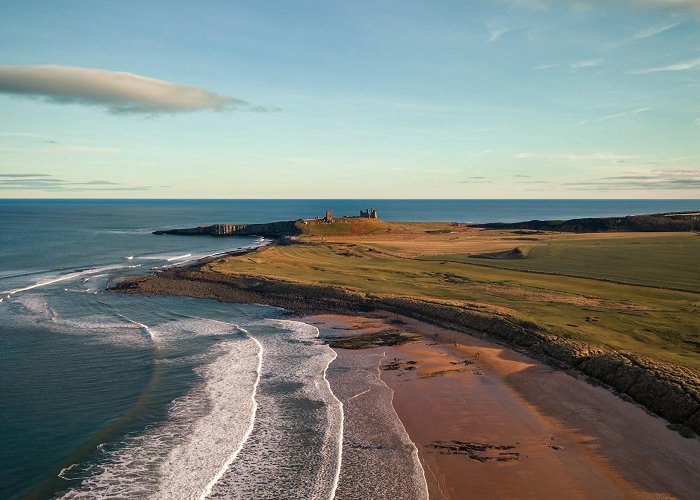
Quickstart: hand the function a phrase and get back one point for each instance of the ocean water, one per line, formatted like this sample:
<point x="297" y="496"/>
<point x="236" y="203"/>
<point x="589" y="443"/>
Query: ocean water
<point x="107" y="395"/>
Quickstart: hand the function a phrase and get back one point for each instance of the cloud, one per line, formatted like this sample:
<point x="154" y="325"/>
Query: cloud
<point x="614" y="116"/>
<point x="687" y="5"/>
<point x="644" y="34"/>
<point x="597" y="157"/>
<point x="589" y="63"/>
<point x="688" y="179"/>
<point x="118" y="92"/>
<point x="496" y="34"/>
<point x="51" y="184"/>
<point x="473" y="180"/>
<point x="681" y="66"/>
<point x="546" y="66"/>
<point x="23" y="175"/>
<point x="653" y="31"/>
<point x="576" y="157"/>
<point x="88" y="149"/>
<point x="55" y="146"/>
<point x="527" y="4"/>
<point x="692" y="6"/>
<point x="20" y="134"/>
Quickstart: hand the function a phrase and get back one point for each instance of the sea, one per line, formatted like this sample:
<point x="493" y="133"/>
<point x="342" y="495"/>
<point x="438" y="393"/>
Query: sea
<point x="105" y="395"/>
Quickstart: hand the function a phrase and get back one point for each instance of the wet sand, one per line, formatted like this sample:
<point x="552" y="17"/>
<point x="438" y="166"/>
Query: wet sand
<point x="491" y="423"/>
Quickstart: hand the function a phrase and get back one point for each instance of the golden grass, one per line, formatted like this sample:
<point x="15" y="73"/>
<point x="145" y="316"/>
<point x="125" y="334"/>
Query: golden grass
<point x="646" y="319"/>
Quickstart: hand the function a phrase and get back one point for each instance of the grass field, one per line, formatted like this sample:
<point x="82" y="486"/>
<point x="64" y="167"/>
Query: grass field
<point x="652" y="320"/>
<point x="666" y="261"/>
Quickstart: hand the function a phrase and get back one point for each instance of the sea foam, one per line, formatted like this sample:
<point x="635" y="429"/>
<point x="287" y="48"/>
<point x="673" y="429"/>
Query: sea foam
<point x="204" y="428"/>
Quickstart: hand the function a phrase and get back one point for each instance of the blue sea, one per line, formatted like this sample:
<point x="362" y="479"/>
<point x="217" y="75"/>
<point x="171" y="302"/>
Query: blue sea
<point x="107" y="395"/>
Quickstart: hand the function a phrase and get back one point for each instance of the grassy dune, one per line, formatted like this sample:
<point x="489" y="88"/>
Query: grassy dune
<point x="374" y="256"/>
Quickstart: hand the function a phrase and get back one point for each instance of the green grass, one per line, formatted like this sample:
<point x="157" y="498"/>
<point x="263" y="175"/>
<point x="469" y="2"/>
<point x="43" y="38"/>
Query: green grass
<point x="668" y="261"/>
<point x="655" y="321"/>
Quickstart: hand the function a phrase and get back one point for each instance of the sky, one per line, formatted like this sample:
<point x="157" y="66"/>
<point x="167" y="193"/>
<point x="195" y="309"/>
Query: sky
<point x="357" y="99"/>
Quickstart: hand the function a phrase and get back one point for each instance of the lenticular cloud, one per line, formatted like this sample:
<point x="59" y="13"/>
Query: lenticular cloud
<point x="119" y="92"/>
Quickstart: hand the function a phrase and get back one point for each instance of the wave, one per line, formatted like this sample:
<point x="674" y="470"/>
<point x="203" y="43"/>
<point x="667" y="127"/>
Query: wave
<point x="67" y="277"/>
<point x="333" y="439"/>
<point x="234" y="454"/>
<point x="203" y="432"/>
<point x="148" y="331"/>
<point x="380" y="460"/>
<point x="339" y="462"/>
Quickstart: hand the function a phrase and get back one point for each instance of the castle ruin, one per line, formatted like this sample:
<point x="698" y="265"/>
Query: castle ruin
<point x="369" y="214"/>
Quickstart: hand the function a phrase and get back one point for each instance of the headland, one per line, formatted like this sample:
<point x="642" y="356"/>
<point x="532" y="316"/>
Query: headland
<point x="585" y="306"/>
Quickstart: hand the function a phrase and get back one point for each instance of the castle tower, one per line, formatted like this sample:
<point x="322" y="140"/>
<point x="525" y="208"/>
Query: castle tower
<point x="329" y="216"/>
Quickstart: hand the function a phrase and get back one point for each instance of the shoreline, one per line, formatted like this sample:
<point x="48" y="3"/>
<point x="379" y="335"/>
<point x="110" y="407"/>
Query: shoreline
<point x="481" y="415"/>
<point x="667" y="390"/>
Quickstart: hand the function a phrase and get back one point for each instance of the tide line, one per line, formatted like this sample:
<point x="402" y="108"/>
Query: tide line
<point x="416" y="455"/>
<point x="339" y="461"/>
<point x="208" y="488"/>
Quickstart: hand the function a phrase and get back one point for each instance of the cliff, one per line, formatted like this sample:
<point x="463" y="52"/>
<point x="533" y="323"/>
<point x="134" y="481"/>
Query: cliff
<point x="642" y="223"/>
<point x="269" y="230"/>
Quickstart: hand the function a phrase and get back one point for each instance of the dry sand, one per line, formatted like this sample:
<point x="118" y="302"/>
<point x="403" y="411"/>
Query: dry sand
<point x="491" y="423"/>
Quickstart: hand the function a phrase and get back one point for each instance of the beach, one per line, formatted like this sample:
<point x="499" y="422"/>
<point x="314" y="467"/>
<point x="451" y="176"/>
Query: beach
<point x="487" y="421"/>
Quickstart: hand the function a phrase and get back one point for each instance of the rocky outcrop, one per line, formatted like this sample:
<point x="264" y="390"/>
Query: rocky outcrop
<point x="641" y="223"/>
<point x="269" y="230"/>
<point x="670" y="391"/>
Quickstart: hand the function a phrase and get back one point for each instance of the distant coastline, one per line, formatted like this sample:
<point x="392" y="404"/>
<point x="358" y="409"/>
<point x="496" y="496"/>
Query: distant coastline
<point x="666" y="222"/>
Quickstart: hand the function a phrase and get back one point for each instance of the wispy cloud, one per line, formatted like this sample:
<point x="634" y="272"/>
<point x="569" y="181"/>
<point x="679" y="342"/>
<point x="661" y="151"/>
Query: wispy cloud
<point x="692" y="6"/>
<point x="49" y="183"/>
<point x="644" y="34"/>
<point x="476" y="180"/>
<point x="118" y="92"/>
<point x="653" y="31"/>
<point x="688" y="179"/>
<point x="496" y="34"/>
<point x="24" y="142"/>
<point x="687" y="5"/>
<point x="613" y="116"/>
<point x="575" y="65"/>
<point x="588" y="63"/>
<point x="23" y="175"/>
<point x="21" y="135"/>
<point x="546" y="66"/>
<point x="527" y="4"/>
<point x="577" y="157"/>
<point x="681" y="66"/>
<point x="597" y="157"/>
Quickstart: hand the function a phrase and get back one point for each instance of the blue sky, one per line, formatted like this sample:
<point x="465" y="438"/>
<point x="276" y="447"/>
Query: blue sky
<point x="318" y="99"/>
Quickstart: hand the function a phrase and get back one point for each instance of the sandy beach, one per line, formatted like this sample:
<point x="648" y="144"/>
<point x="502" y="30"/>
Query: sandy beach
<point x="488" y="422"/>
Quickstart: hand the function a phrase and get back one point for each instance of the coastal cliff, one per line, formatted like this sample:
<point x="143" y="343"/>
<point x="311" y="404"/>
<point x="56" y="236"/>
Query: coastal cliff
<point x="642" y="223"/>
<point x="269" y="230"/>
